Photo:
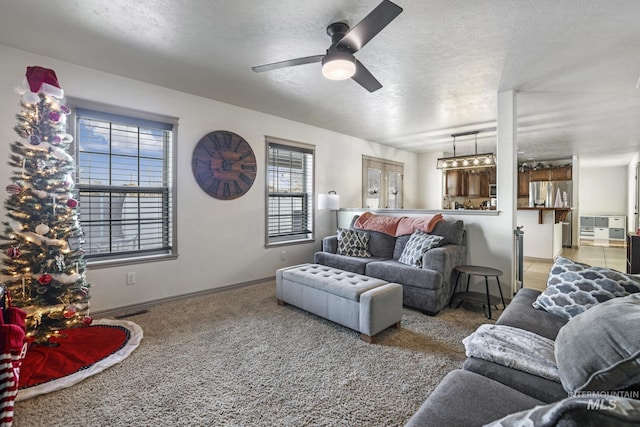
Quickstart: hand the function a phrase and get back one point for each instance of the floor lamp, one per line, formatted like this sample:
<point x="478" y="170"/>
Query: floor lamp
<point x="330" y="201"/>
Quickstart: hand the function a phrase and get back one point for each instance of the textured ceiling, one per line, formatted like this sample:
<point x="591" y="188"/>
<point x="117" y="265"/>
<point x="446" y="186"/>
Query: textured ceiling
<point x="575" y="64"/>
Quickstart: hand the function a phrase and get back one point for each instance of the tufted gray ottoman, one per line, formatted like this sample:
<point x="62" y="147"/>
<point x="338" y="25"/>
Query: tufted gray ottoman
<point x="365" y="304"/>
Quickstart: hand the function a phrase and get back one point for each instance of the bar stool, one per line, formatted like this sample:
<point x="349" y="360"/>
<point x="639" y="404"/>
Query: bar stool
<point x="477" y="297"/>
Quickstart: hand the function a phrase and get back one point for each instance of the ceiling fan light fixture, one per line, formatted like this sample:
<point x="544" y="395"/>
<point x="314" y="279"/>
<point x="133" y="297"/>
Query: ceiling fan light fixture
<point x="339" y="62"/>
<point x="338" y="66"/>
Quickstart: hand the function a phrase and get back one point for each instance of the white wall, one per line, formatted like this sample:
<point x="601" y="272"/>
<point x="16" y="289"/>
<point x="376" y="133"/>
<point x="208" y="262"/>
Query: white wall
<point x="430" y="181"/>
<point x="220" y="242"/>
<point x="603" y="190"/>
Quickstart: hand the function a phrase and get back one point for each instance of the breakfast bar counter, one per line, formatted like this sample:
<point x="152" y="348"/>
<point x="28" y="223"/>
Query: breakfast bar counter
<point x="560" y="213"/>
<point x="542" y="231"/>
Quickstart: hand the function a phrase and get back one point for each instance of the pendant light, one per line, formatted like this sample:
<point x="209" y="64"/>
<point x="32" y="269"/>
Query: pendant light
<point x="483" y="160"/>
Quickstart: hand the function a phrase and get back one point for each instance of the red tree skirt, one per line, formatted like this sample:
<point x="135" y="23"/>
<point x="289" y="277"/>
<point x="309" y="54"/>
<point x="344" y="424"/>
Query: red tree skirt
<point x="82" y="353"/>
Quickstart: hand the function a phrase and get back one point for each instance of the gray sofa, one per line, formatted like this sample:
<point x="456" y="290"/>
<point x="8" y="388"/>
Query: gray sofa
<point x="427" y="288"/>
<point x="594" y="349"/>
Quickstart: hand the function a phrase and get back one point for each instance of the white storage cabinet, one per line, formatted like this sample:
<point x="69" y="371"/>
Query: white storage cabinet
<point x="603" y="227"/>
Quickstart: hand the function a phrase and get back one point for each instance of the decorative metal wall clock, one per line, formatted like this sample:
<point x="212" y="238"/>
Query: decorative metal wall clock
<point x="224" y="165"/>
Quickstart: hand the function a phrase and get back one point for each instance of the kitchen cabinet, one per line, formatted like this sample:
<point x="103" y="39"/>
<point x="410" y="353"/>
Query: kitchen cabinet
<point x="560" y="174"/>
<point x="563" y="173"/>
<point x="469" y="182"/>
<point x="485" y="180"/>
<point x="456" y="184"/>
<point x="539" y="174"/>
<point x="474" y="184"/>
<point x="491" y="173"/>
<point x="523" y="184"/>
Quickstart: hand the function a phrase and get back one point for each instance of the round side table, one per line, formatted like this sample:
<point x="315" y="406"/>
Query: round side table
<point x="478" y="297"/>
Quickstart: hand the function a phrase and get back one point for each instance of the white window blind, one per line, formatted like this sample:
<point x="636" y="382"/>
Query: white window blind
<point x="124" y="184"/>
<point x="290" y="192"/>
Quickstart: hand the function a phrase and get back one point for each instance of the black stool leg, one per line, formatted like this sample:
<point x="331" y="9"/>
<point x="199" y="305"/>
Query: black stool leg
<point x="501" y="297"/>
<point x="486" y="285"/>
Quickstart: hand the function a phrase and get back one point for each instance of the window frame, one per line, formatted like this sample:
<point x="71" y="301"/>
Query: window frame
<point x="127" y="258"/>
<point x="309" y="194"/>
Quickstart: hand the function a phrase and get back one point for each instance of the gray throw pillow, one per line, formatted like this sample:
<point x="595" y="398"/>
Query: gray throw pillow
<point x="353" y="243"/>
<point x="599" y="350"/>
<point x="597" y="411"/>
<point x="452" y="232"/>
<point x="419" y="243"/>
<point x="572" y="287"/>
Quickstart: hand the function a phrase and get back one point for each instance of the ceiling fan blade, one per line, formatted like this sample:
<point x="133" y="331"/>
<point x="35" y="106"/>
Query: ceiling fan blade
<point x="365" y="79"/>
<point x="370" y="25"/>
<point x="288" y="63"/>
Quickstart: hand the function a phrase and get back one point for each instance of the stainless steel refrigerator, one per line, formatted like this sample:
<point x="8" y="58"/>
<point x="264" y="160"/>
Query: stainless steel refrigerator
<point x="554" y="194"/>
<point x="551" y="194"/>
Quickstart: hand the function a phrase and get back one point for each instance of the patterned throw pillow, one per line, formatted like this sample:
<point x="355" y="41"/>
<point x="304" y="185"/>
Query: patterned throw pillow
<point x="419" y="243"/>
<point x="353" y="243"/>
<point x="572" y="287"/>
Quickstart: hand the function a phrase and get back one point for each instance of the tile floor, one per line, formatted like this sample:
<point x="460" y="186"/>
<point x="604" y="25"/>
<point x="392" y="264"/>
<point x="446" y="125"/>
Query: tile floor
<point x="536" y="272"/>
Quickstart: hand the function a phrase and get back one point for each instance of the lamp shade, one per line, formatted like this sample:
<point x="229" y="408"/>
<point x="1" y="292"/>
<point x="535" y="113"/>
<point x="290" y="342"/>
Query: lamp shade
<point x="329" y="201"/>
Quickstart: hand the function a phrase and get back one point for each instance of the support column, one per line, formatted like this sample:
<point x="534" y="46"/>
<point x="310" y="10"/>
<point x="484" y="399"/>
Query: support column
<point x="507" y="175"/>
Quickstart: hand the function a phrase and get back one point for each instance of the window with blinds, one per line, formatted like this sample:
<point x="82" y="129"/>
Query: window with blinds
<point x="124" y="183"/>
<point x="289" y="191"/>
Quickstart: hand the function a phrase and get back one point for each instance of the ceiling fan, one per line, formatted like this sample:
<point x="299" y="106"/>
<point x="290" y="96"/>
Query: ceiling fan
<point x="339" y="63"/>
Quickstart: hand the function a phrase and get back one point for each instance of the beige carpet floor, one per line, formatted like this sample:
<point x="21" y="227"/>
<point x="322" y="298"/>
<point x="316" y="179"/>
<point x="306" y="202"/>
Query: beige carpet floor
<point x="236" y="358"/>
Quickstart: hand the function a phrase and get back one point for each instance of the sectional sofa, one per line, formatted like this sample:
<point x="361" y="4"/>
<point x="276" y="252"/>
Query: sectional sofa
<point x="568" y="356"/>
<point x="427" y="279"/>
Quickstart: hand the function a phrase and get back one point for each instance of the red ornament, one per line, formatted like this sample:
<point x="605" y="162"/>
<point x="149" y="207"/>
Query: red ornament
<point x="45" y="279"/>
<point x="69" y="312"/>
<point x="87" y="320"/>
<point x="13" y="252"/>
<point x="72" y="203"/>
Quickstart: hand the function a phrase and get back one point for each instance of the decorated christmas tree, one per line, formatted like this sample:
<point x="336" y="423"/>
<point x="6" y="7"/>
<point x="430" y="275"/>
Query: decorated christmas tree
<point x="44" y="267"/>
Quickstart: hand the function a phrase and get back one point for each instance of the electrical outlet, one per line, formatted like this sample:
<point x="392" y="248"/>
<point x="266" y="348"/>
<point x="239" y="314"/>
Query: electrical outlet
<point x="131" y="278"/>
<point x="283" y="255"/>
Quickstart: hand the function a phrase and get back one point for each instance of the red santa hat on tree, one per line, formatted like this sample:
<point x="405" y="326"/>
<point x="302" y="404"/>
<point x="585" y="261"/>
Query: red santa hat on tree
<point x="44" y="80"/>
